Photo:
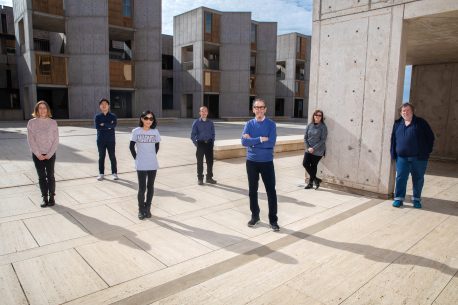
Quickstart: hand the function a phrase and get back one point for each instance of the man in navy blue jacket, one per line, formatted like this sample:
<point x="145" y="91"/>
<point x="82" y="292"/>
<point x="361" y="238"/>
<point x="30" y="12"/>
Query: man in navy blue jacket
<point x="259" y="137"/>
<point x="412" y="141"/>
<point x="203" y="137"/>
<point x="105" y="123"/>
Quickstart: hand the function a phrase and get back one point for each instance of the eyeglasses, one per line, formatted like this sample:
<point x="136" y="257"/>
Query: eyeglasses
<point x="149" y="118"/>
<point x="318" y="115"/>
<point x="259" y="107"/>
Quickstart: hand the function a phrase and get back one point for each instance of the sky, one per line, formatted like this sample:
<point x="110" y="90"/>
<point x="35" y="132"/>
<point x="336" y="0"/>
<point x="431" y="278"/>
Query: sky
<point x="290" y="15"/>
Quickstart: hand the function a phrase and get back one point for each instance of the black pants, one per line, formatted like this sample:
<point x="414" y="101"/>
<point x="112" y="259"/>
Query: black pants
<point x="103" y="147"/>
<point x="145" y="183"/>
<point x="311" y="165"/>
<point x="204" y="149"/>
<point x="267" y="171"/>
<point x="45" y="171"/>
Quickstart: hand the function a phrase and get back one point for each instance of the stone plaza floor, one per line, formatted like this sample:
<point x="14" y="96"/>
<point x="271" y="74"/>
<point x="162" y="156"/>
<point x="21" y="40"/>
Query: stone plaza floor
<point x="333" y="247"/>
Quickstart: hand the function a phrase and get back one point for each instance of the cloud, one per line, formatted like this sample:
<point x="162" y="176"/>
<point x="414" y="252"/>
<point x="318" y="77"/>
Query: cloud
<point x="6" y="2"/>
<point x="291" y="15"/>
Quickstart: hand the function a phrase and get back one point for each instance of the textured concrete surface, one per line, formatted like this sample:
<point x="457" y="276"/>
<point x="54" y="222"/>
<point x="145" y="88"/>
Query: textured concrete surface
<point x="333" y="248"/>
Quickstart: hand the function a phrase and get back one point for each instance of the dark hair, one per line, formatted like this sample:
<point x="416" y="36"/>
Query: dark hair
<point x="407" y="105"/>
<point x="145" y="113"/>
<point x="36" y="114"/>
<point x="104" y="100"/>
<point x="313" y="116"/>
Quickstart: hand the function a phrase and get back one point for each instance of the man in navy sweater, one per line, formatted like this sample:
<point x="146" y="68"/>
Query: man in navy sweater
<point x="203" y="137"/>
<point x="412" y="141"/>
<point x="105" y="123"/>
<point x="259" y="137"/>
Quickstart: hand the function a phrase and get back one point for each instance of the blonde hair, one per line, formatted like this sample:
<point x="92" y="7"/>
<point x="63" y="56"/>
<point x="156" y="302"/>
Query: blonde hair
<point x="36" y="114"/>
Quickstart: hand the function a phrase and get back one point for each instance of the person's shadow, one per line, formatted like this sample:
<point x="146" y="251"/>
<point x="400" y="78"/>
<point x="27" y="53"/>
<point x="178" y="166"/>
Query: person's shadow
<point x="105" y="231"/>
<point x="222" y="240"/>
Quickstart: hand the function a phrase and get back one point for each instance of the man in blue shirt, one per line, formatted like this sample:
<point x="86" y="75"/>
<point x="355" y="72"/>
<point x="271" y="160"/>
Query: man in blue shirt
<point x="105" y="123"/>
<point x="412" y="141"/>
<point x="203" y="137"/>
<point x="259" y="137"/>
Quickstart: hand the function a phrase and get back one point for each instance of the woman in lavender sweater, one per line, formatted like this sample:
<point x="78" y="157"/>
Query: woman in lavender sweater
<point x="43" y="138"/>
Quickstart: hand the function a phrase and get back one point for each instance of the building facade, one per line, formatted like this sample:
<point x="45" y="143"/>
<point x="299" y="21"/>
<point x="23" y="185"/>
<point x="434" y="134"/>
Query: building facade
<point x="74" y="53"/>
<point x="293" y="72"/>
<point x="10" y="108"/>
<point x="222" y="60"/>
<point x="167" y="77"/>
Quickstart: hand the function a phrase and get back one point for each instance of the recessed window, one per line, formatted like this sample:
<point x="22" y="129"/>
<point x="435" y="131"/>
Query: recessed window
<point x="208" y="22"/>
<point x="127" y="8"/>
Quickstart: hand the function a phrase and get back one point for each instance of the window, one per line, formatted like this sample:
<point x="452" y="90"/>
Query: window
<point x="253" y="64"/>
<point x="167" y="62"/>
<point x="296" y="87"/>
<point x="298" y="45"/>
<point x="281" y="70"/>
<point x="21" y="36"/>
<point x="208" y="22"/>
<point x="9" y="80"/>
<point x="208" y="79"/>
<point x="4" y="24"/>
<point x="127" y="8"/>
<point x="254" y="30"/>
<point x="45" y="65"/>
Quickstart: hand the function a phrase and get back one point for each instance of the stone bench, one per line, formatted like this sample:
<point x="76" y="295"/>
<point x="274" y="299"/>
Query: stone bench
<point x="227" y="149"/>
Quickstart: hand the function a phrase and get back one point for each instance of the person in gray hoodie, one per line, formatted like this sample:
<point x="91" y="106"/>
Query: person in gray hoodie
<point x="315" y="136"/>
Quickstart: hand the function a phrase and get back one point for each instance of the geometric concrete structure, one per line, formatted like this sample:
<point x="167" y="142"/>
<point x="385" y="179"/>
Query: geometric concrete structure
<point x="293" y="73"/>
<point x="9" y="87"/>
<point x="359" y="53"/>
<point x="222" y="60"/>
<point x="73" y="55"/>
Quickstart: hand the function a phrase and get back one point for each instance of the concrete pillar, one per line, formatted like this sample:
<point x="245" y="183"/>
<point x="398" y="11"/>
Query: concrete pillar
<point x="356" y="78"/>
<point x="88" y="62"/>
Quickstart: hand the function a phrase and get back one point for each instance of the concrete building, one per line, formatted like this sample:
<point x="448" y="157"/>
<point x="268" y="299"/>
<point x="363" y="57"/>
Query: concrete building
<point x="167" y="77"/>
<point x="73" y="53"/>
<point x="293" y="72"/>
<point x="10" y="108"/>
<point x="222" y="60"/>
<point x="359" y="53"/>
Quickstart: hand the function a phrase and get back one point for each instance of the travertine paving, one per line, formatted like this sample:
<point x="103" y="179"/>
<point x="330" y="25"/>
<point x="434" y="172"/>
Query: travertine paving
<point x="333" y="248"/>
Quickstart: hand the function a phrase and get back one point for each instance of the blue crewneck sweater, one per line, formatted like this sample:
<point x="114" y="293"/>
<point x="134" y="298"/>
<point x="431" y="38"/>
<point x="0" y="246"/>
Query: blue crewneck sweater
<point x="257" y="151"/>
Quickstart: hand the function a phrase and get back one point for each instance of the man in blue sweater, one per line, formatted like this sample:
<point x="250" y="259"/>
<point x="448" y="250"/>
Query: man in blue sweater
<point x="203" y="137"/>
<point x="412" y="141"/>
<point x="259" y="137"/>
<point x="105" y="123"/>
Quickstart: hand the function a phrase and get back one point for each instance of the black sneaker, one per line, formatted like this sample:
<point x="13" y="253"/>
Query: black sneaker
<point x="45" y="202"/>
<point x="275" y="227"/>
<point x="141" y="216"/>
<point x="52" y="201"/>
<point x="253" y="222"/>
<point x="200" y="182"/>
<point x="211" y="181"/>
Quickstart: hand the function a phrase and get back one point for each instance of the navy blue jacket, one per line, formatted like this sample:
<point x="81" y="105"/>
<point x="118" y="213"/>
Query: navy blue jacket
<point x="105" y="125"/>
<point x="202" y="131"/>
<point x="425" y="137"/>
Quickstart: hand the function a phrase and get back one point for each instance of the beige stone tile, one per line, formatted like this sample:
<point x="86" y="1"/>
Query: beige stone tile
<point x="129" y="209"/>
<point x="173" y="206"/>
<point x="206" y="232"/>
<point x="62" y="198"/>
<point x="16" y="205"/>
<point x="237" y="221"/>
<point x="15" y="237"/>
<point x="10" y="289"/>
<point x="54" y="228"/>
<point x="449" y="295"/>
<point x="192" y="296"/>
<point x="100" y="218"/>
<point x="169" y="246"/>
<point x="57" y="278"/>
<point x="118" y="261"/>
<point x="87" y="194"/>
<point x="286" y="296"/>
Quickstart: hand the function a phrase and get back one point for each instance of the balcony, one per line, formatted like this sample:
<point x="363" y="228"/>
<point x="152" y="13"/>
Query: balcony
<point x="51" y="70"/>
<point x="48" y="15"/>
<point x="211" y="81"/>
<point x="121" y="74"/>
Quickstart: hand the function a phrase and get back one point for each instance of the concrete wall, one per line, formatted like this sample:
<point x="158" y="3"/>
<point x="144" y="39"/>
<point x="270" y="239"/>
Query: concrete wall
<point x="434" y="92"/>
<point x="265" y="64"/>
<point x="356" y="78"/>
<point x="88" y="62"/>
<point x="148" y="56"/>
<point x="235" y="64"/>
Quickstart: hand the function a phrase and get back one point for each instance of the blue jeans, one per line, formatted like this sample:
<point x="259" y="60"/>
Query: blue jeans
<point x="417" y="169"/>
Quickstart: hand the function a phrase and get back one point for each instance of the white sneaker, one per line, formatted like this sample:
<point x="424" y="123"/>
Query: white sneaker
<point x="100" y="177"/>
<point x="115" y="177"/>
